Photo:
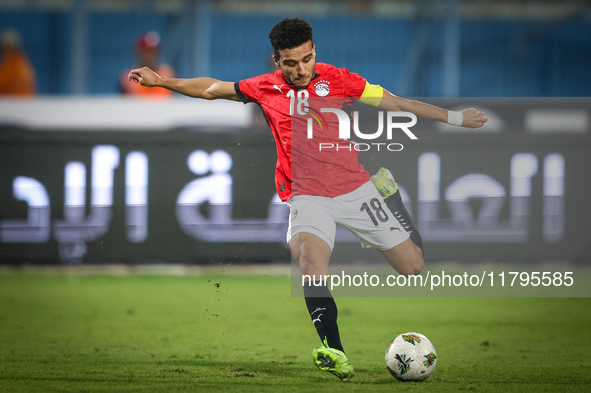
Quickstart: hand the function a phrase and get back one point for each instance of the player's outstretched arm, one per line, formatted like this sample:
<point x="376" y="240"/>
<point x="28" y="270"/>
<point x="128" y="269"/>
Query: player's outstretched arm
<point x="207" y="88"/>
<point x="467" y="118"/>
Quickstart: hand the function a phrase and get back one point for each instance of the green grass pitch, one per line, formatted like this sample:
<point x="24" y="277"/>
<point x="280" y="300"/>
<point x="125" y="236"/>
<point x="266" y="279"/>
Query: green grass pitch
<point x="141" y="333"/>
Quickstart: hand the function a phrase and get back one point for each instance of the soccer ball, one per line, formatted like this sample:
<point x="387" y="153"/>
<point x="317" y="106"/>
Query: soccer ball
<point x="411" y="357"/>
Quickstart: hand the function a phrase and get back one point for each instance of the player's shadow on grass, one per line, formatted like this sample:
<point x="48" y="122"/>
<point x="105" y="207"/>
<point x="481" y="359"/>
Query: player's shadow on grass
<point x="283" y="367"/>
<point x="274" y="368"/>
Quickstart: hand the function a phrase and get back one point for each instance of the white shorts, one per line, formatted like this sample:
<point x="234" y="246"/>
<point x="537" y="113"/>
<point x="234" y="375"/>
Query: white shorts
<point x="362" y="211"/>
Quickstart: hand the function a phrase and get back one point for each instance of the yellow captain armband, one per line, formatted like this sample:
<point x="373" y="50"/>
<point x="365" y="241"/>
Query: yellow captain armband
<point x="372" y="95"/>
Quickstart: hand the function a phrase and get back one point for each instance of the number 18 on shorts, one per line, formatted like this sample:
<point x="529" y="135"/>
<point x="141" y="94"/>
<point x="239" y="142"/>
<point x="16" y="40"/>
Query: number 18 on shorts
<point x="362" y="211"/>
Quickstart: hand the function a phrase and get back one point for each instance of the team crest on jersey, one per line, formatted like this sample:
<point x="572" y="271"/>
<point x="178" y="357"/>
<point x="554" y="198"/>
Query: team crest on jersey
<point x="322" y="88"/>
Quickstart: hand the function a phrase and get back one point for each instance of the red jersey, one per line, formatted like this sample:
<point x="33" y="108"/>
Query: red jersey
<point x="303" y="168"/>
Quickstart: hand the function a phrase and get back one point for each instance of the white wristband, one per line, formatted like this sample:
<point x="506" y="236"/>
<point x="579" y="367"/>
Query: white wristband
<point x="455" y="118"/>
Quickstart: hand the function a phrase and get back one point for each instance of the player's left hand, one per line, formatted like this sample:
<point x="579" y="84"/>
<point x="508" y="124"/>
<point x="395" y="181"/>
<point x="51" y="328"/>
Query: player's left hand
<point x="473" y="118"/>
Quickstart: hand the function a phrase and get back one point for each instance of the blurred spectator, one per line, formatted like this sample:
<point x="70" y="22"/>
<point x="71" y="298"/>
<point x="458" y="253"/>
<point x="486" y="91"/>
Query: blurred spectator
<point x="17" y="76"/>
<point x="147" y="48"/>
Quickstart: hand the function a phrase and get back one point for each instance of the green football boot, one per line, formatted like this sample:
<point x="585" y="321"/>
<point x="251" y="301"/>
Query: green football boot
<point x="334" y="362"/>
<point x="384" y="182"/>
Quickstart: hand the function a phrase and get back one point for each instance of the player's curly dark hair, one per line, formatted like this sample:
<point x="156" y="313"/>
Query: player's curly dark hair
<point x="290" y="33"/>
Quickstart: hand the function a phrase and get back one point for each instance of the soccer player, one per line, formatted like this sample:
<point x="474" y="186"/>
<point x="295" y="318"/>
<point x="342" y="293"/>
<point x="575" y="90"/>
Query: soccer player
<point x="322" y="189"/>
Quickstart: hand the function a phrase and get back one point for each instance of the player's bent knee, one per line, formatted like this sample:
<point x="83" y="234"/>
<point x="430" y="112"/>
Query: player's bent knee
<point x="312" y="267"/>
<point x="311" y="253"/>
<point x="410" y="268"/>
<point x="418" y="266"/>
<point x="406" y="258"/>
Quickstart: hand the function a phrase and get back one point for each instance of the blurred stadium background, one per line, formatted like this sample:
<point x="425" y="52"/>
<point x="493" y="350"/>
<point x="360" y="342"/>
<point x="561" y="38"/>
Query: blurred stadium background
<point x="90" y="176"/>
<point x="416" y="48"/>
